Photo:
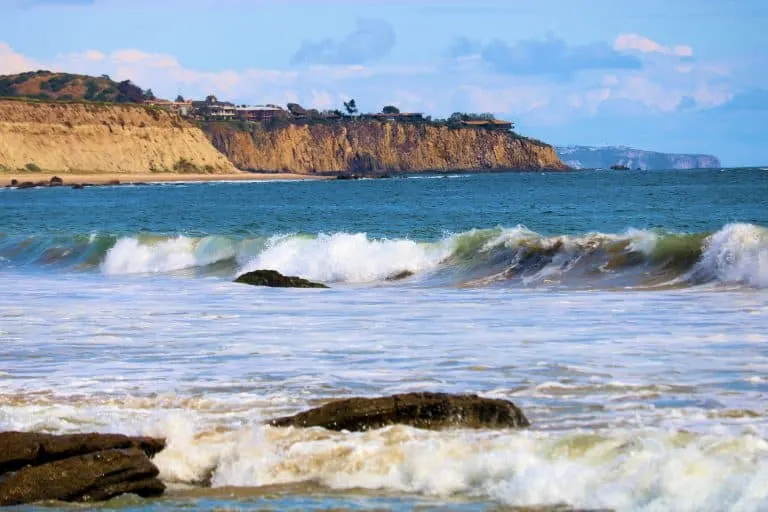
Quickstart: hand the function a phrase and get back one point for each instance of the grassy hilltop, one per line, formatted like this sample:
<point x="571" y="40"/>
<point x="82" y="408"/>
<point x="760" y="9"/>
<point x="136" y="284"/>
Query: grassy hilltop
<point x="47" y="85"/>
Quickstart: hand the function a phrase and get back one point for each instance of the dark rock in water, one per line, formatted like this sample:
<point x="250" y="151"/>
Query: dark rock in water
<point x="78" y="186"/>
<point x="26" y="184"/>
<point x="421" y="410"/>
<point x="56" y="182"/>
<point x="348" y="177"/>
<point x="14" y="182"/>
<point x="275" y="279"/>
<point x="399" y="276"/>
<point x="19" y="449"/>
<point x="92" y="477"/>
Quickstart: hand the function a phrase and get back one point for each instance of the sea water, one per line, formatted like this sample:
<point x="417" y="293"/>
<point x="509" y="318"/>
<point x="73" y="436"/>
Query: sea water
<point x="625" y="313"/>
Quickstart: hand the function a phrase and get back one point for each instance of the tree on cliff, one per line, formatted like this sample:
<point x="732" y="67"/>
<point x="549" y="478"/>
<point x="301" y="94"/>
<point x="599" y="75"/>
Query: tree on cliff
<point x="129" y="93"/>
<point x="179" y="99"/>
<point x="296" y="110"/>
<point x="390" y="109"/>
<point x="351" y="107"/>
<point x="149" y="95"/>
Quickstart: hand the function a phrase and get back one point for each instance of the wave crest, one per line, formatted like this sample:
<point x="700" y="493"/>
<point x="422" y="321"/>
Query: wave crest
<point x="737" y="254"/>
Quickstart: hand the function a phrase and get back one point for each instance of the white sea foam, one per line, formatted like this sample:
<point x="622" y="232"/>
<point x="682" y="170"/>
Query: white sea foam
<point x="625" y="470"/>
<point x="351" y="258"/>
<point x="132" y="256"/>
<point x="738" y="253"/>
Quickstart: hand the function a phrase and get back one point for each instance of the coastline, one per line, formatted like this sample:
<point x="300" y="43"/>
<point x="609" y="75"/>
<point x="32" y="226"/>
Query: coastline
<point x="130" y="178"/>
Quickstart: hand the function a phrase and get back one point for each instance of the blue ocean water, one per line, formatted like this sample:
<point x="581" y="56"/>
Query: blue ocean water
<point x="626" y="313"/>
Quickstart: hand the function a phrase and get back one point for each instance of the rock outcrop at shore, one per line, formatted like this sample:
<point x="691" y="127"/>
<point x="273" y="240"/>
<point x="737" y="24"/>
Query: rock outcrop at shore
<point x="362" y="147"/>
<point x="421" y="410"/>
<point x="275" y="279"/>
<point x="90" y="137"/>
<point x="78" y="467"/>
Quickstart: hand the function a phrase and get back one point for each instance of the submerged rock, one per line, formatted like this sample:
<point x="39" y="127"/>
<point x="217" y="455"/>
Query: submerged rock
<point x="19" y="449"/>
<point x="92" y="477"/>
<point x="399" y="276"/>
<point x="421" y="410"/>
<point x="275" y="279"/>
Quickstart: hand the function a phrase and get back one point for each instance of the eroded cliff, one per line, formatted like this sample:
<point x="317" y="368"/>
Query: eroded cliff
<point x="81" y="137"/>
<point x="373" y="146"/>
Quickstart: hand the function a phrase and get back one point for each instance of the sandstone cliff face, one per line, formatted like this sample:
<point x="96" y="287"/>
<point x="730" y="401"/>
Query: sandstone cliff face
<point x="61" y="137"/>
<point x="369" y="146"/>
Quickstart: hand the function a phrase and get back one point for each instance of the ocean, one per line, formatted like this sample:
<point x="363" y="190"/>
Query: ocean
<point x="626" y="313"/>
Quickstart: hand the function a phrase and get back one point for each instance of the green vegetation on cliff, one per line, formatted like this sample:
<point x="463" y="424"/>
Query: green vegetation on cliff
<point x="46" y="85"/>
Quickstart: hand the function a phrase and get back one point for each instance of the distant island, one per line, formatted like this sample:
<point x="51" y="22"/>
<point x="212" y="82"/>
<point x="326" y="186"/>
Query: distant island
<point x="66" y="123"/>
<point x="624" y="158"/>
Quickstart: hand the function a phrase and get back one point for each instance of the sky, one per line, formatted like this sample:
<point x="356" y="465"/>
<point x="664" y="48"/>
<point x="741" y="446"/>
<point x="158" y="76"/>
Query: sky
<point x="685" y="76"/>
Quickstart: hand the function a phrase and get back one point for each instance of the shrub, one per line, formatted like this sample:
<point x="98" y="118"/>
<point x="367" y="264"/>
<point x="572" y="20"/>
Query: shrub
<point x="32" y="167"/>
<point x="185" y="166"/>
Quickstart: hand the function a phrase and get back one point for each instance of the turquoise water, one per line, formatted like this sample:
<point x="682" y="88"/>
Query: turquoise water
<point x="624" y="312"/>
<point x="423" y="208"/>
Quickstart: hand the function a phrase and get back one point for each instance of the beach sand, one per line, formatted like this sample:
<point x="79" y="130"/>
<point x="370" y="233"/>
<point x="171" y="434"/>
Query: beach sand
<point x="102" y="178"/>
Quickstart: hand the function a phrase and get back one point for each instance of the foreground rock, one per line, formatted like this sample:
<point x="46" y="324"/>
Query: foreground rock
<point x="275" y="279"/>
<point x="421" y="410"/>
<point x="19" y="449"/>
<point x="77" y="467"/>
<point x="92" y="477"/>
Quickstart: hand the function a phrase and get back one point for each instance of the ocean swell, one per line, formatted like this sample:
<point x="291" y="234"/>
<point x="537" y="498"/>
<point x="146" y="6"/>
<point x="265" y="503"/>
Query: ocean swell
<point x="737" y="254"/>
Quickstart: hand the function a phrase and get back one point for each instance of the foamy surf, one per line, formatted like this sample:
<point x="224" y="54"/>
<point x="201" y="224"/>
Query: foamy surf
<point x="621" y="470"/>
<point x="736" y="255"/>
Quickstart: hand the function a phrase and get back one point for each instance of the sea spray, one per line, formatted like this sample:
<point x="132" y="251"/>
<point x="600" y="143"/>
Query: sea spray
<point x="622" y="469"/>
<point x="735" y="255"/>
<point x="349" y="258"/>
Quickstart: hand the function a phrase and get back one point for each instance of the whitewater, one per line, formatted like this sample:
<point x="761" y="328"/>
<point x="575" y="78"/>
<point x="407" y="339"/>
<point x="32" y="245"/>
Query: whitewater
<point x="626" y="314"/>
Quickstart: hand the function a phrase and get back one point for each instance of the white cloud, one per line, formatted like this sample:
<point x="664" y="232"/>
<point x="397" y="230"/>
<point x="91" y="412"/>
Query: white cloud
<point x="635" y="42"/>
<point x="12" y="62"/>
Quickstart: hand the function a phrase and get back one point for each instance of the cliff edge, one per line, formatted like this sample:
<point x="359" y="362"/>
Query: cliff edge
<point x="108" y="138"/>
<point x="363" y="146"/>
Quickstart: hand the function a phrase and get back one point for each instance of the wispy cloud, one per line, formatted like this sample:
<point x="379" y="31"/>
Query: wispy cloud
<point x="371" y="40"/>
<point x="635" y="42"/>
<point x="549" y="56"/>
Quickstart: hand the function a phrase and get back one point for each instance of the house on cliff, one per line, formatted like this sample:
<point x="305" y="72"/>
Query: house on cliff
<point x="259" y="113"/>
<point x="214" y="109"/>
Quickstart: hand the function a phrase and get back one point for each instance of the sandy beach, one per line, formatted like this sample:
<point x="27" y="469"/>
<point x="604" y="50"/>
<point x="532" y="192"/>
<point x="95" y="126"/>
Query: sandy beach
<point x="103" y="178"/>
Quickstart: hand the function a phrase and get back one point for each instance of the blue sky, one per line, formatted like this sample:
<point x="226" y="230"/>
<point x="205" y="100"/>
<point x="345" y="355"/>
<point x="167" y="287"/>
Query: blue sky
<point x="682" y="75"/>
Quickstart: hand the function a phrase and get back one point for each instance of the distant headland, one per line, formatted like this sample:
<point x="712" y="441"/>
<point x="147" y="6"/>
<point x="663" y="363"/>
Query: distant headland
<point x="624" y="158"/>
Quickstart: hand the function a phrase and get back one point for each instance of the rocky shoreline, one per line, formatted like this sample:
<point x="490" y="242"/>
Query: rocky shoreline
<point x="96" y="467"/>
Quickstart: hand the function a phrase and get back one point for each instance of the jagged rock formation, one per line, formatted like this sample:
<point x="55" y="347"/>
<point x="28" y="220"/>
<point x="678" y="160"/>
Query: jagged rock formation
<point x="372" y="146"/>
<point x="422" y="410"/>
<point x="89" y="137"/>
<point x="587" y="157"/>
<point x="79" y="467"/>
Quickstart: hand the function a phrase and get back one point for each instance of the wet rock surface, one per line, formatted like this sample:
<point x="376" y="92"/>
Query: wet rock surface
<point x="275" y="279"/>
<point x="77" y="467"/>
<point x="421" y="410"/>
<point x="92" y="477"/>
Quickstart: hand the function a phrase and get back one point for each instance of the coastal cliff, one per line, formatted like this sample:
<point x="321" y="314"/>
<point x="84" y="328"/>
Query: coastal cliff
<point x="91" y="137"/>
<point x="372" y="146"/>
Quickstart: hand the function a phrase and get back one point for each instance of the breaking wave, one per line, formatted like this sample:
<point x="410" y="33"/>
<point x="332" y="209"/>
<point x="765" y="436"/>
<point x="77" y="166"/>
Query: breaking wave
<point x="621" y="470"/>
<point x="737" y="254"/>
